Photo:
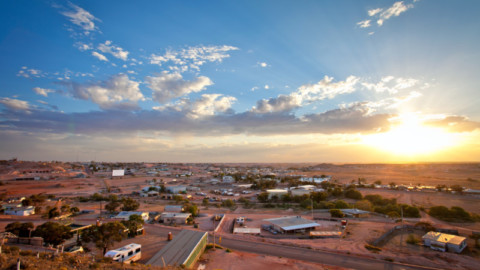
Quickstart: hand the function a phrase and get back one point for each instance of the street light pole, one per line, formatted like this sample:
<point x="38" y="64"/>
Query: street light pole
<point x="214" y="217"/>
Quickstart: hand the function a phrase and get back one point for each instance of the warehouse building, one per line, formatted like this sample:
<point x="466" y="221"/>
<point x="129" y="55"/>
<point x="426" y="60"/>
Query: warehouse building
<point x="183" y="251"/>
<point x="292" y="224"/>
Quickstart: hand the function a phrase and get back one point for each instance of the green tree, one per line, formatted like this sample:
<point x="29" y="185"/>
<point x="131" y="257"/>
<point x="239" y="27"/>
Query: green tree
<point x="133" y="224"/>
<point x="336" y="213"/>
<point x="19" y="229"/>
<point x="53" y="233"/>
<point x="353" y="194"/>
<point x="378" y="182"/>
<point x="341" y="204"/>
<point x="52" y="213"/>
<point x="262" y="197"/>
<point x="27" y="202"/>
<point x="105" y="235"/>
<point x="205" y="202"/>
<point x="228" y="203"/>
<point x="364" y="205"/>
<point x="112" y="206"/>
<point x="129" y="204"/>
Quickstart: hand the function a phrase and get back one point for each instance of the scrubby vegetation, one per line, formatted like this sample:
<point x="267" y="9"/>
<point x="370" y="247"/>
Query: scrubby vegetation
<point x="454" y="214"/>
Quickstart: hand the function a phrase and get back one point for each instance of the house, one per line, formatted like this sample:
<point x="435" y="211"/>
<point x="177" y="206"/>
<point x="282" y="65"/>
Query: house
<point x="357" y="213"/>
<point x="444" y="242"/>
<point x="174" y="218"/>
<point x="174" y="208"/>
<point x="292" y="224"/>
<point x="176" y="189"/>
<point x="20" y="211"/>
<point x="276" y="192"/>
<point x="228" y="179"/>
<point x="183" y="251"/>
<point x="300" y="192"/>
<point x="125" y="215"/>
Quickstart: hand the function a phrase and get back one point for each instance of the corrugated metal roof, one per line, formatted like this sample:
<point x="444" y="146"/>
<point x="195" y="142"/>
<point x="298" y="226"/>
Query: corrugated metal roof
<point x="247" y="230"/>
<point x="292" y="223"/>
<point x="178" y="250"/>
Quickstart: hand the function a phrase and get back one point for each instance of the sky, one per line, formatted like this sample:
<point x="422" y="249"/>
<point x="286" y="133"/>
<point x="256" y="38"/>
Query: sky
<point x="240" y="81"/>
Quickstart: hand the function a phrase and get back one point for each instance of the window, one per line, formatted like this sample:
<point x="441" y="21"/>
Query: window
<point x="130" y="253"/>
<point x="138" y="250"/>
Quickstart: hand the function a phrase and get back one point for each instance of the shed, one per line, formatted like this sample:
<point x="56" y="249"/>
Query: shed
<point x="174" y="208"/>
<point x="174" y="218"/>
<point x="183" y="251"/>
<point x="292" y="224"/>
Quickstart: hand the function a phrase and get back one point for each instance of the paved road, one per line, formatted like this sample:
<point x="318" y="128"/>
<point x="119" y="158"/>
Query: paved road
<point x="297" y="253"/>
<point x="304" y="254"/>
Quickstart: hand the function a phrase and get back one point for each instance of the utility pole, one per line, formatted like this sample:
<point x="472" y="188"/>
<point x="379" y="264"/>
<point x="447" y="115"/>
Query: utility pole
<point x="214" y="217"/>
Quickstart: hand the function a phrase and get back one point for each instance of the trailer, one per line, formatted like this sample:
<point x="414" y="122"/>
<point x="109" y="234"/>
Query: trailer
<point x="127" y="254"/>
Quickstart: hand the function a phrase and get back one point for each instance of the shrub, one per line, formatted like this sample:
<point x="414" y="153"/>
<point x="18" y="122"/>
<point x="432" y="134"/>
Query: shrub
<point x="336" y="213"/>
<point x="412" y="239"/>
<point x="372" y="248"/>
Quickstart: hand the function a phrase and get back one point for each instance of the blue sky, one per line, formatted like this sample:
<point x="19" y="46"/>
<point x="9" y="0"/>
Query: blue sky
<point x="239" y="81"/>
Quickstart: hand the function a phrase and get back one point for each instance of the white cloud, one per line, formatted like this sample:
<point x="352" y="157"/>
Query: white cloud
<point x="100" y="56"/>
<point x="364" y="24"/>
<point x="326" y="88"/>
<point x="373" y="12"/>
<point x="254" y="88"/>
<point x="119" y="92"/>
<point x="307" y="93"/>
<point x="42" y="91"/>
<point x="167" y="86"/>
<point x="262" y="64"/>
<point x="116" y="51"/>
<point x="82" y="46"/>
<point x="395" y="10"/>
<point x="15" y="104"/>
<point x="266" y="87"/>
<point x="30" y="72"/>
<point x="282" y="103"/>
<point x="81" y="18"/>
<point x="390" y="84"/>
<point x="192" y="57"/>
<point x="382" y="15"/>
<point x="206" y="105"/>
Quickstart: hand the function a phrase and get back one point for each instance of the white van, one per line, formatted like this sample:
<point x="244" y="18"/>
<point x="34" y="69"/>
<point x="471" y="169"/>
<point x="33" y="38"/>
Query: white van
<point x="127" y="254"/>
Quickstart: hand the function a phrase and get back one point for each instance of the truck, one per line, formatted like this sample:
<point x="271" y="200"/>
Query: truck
<point x="126" y="254"/>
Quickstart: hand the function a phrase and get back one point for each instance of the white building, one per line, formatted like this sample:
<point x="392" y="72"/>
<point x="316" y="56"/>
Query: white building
<point x="276" y="192"/>
<point x="444" y="242"/>
<point x="125" y="215"/>
<point x="300" y="192"/>
<point x="20" y="211"/>
<point x="228" y="179"/>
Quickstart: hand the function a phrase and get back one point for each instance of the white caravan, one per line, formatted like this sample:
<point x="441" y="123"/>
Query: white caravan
<point x="126" y="254"/>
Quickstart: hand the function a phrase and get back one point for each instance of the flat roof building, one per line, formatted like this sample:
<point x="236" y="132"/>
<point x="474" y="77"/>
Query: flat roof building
<point x="444" y="242"/>
<point x="183" y="251"/>
<point x="292" y="224"/>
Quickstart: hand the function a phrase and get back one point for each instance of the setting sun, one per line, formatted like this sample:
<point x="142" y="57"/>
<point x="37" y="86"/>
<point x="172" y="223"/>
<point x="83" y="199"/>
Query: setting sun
<point x="409" y="138"/>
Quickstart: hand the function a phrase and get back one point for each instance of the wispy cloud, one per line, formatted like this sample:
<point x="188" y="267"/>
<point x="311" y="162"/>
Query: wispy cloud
<point x="364" y="24"/>
<point x="391" y="84"/>
<point x="80" y="17"/>
<point x="100" y="56"/>
<point x="192" y="57"/>
<point x="381" y="14"/>
<point x="42" y="91"/>
<point x="116" y="51"/>
<point x="30" y="72"/>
